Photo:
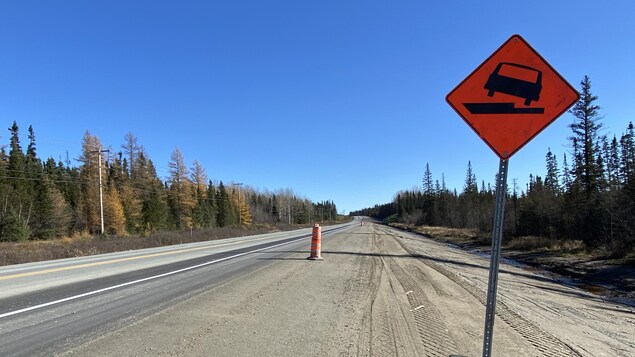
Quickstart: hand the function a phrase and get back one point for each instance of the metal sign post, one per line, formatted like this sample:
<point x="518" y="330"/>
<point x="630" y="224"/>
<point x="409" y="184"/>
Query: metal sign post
<point x="507" y="101"/>
<point x="497" y="236"/>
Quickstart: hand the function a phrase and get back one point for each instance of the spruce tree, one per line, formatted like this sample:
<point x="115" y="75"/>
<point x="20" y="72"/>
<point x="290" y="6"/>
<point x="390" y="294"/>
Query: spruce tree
<point x="38" y="193"/>
<point x="470" y="186"/>
<point x="585" y="201"/>
<point x="275" y="212"/>
<point x="585" y="138"/>
<point x="613" y="163"/>
<point x="551" y="179"/>
<point x="152" y="196"/>
<point x="428" y="182"/>
<point x="225" y="215"/>
<point x="211" y="204"/>
<point x="566" y="174"/>
<point x="16" y="156"/>
<point x="154" y="208"/>
<point x="627" y="157"/>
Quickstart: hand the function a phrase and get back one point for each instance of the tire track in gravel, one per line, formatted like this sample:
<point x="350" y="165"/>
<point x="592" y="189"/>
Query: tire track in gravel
<point x="389" y="325"/>
<point x="405" y="321"/>
<point x="389" y="332"/>
<point x="365" y="340"/>
<point x="431" y="326"/>
<point x="546" y="343"/>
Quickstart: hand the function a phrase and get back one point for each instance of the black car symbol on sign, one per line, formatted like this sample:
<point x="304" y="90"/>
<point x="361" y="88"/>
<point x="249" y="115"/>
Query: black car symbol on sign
<point x="504" y="83"/>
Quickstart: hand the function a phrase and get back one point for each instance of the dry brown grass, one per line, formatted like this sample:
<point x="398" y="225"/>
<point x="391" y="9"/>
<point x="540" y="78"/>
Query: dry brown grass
<point x="83" y="244"/>
<point x="471" y="238"/>
<point x="458" y="236"/>
<point x="542" y="244"/>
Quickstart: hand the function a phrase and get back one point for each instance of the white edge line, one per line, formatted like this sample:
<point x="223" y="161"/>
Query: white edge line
<point x="94" y="292"/>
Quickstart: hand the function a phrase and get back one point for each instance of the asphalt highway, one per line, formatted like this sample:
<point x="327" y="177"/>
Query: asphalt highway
<point x="48" y="307"/>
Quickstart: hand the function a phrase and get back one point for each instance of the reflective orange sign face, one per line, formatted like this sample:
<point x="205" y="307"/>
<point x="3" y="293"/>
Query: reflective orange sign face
<point x="511" y="97"/>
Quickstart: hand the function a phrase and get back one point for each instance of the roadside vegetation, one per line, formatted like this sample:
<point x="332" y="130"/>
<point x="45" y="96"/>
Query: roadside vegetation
<point x="53" y="209"/>
<point x="473" y="239"/>
<point x="88" y="244"/>
<point x="583" y="206"/>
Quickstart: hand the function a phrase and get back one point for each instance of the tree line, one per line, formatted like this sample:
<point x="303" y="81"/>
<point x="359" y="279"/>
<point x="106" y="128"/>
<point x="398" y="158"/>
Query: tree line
<point x="44" y="199"/>
<point x="589" y="196"/>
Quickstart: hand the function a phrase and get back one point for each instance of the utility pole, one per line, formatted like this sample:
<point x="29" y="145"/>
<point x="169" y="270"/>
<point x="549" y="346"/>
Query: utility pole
<point x="240" y="218"/>
<point x="101" y="198"/>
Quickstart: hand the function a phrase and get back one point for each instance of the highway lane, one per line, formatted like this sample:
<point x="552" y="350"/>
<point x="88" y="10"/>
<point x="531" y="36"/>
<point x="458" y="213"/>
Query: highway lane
<point x="52" y="306"/>
<point x="23" y="278"/>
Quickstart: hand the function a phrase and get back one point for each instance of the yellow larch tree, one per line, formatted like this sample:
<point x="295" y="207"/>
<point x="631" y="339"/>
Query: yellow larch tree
<point x="114" y="218"/>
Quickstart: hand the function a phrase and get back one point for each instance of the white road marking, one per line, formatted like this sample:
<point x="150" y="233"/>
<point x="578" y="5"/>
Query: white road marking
<point x="94" y="292"/>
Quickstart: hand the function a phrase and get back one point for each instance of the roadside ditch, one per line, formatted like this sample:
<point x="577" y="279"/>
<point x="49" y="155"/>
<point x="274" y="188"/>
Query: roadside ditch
<point x="606" y="278"/>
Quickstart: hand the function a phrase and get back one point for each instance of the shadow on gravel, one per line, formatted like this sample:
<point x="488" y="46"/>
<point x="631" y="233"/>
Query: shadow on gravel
<point x="537" y="278"/>
<point x="446" y="261"/>
<point x="563" y="291"/>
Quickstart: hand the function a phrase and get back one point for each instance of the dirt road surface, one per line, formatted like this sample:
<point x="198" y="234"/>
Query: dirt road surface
<point x="378" y="292"/>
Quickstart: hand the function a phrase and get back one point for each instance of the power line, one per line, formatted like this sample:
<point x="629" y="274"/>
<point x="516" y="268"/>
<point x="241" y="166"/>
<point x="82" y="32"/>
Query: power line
<point x="75" y="181"/>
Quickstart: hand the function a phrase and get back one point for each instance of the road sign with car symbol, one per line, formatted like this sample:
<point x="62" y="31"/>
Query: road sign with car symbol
<point x="511" y="97"/>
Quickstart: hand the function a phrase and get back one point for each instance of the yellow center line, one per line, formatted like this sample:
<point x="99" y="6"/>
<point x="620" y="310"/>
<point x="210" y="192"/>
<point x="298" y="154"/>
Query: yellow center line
<point x="80" y="266"/>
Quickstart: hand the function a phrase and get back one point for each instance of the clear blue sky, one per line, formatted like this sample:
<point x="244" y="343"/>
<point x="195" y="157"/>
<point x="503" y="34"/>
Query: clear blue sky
<point x="341" y="100"/>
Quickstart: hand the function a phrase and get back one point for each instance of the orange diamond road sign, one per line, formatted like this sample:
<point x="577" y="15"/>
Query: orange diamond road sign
<point x="511" y="97"/>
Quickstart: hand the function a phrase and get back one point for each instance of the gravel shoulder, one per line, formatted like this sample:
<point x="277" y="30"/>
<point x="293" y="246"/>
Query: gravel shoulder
<point x="378" y="292"/>
<point x="612" y="279"/>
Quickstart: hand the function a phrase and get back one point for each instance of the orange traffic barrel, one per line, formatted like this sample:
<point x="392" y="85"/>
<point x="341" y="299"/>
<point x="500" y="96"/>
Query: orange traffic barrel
<point x="316" y="243"/>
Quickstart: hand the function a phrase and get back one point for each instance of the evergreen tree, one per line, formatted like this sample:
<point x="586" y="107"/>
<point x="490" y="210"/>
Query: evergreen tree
<point x="16" y="156"/>
<point x="613" y="163"/>
<point x="566" y="174"/>
<point x="38" y="193"/>
<point x="585" y="138"/>
<point x="428" y="182"/>
<point x="551" y="179"/>
<point x="132" y="205"/>
<point x="152" y="196"/>
<point x="469" y="217"/>
<point x="154" y="207"/>
<point x="627" y="159"/>
<point x="211" y="205"/>
<point x="225" y="215"/>
<point x="31" y="151"/>
<point x="585" y="201"/>
<point x="275" y="212"/>
<point x="43" y="224"/>
<point x="16" y="168"/>
<point x="471" y="186"/>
